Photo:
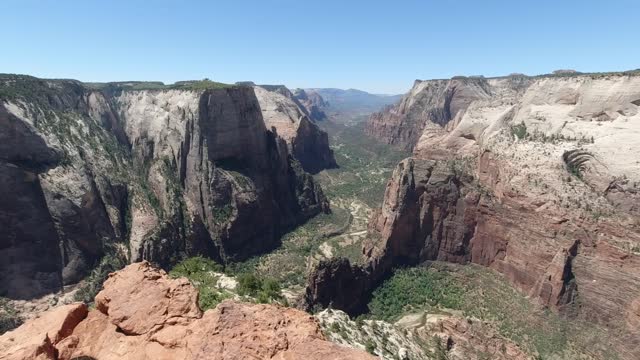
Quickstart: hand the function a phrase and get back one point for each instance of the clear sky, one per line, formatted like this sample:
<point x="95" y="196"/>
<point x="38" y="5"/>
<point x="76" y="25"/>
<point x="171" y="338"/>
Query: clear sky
<point x="378" y="46"/>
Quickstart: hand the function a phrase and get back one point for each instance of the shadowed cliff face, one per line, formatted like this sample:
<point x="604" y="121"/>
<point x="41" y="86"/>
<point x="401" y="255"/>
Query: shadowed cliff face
<point x="29" y="252"/>
<point x="313" y="103"/>
<point x="153" y="175"/>
<point x="48" y="240"/>
<point x="295" y="123"/>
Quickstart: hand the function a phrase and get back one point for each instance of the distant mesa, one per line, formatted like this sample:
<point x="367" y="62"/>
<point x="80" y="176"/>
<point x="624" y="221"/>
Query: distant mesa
<point x="566" y="72"/>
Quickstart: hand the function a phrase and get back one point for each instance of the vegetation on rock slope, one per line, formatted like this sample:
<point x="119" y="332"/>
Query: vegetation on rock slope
<point x="9" y="318"/>
<point x="476" y="292"/>
<point x="204" y="84"/>
<point x="214" y="285"/>
<point x="113" y="260"/>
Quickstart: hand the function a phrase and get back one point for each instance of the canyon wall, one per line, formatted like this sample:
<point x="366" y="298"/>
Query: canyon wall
<point x="313" y="102"/>
<point x="142" y="174"/>
<point x="293" y="122"/>
<point x="431" y="103"/>
<point x="536" y="178"/>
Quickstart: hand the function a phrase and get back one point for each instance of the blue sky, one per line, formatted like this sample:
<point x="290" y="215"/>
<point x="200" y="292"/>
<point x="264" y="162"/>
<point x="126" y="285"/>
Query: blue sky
<point x="378" y="46"/>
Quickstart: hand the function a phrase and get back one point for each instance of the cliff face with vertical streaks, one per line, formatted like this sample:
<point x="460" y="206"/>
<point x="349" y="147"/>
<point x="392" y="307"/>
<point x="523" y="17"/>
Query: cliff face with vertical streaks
<point x="146" y="174"/>
<point x="295" y="123"/>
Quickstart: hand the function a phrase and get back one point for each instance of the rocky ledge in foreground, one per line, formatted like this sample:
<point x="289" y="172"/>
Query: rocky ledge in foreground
<point x="144" y="314"/>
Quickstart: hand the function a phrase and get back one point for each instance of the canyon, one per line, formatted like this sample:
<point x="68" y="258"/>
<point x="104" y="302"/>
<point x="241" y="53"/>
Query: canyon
<point x="349" y="106"/>
<point x="483" y="198"/>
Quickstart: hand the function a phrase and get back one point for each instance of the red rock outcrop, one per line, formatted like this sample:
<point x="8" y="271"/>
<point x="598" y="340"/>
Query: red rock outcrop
<point x="37" y="338"/>
<point x="143" y="314"/>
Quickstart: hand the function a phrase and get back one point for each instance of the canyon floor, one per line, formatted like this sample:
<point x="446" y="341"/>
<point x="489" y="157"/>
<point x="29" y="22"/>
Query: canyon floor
<point x="354" y="189"/>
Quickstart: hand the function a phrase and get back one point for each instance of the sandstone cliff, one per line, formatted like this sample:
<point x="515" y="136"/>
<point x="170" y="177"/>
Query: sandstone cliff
<point x="143" y="314"/>
<point x="306" y="142"/>
<point x="145" y="174"/>
<point x="313" y="102"/>
<point x="428" y="102"/>
<point x="536" y="178"/>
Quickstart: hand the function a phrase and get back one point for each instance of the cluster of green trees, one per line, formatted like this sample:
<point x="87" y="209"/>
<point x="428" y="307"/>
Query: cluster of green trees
<point x="415" y="288"/>
<point x="264" y="290"/>
<point x="9" y="318"/>
<point x="204" y="274"/>
<point x="519" y="130"/>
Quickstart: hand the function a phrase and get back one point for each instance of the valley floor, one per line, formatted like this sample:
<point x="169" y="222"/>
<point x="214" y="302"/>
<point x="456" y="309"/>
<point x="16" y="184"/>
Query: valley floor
<point x="354" y="189"/>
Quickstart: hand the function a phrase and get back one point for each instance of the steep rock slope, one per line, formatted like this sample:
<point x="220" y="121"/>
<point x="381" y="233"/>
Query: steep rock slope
<point x="29" y="247"/>
<point x="428" y="102"/>
<point x="535" y="178"/>
<point x="143" y="314"/>
<point x="148" y="174"/>
<point x="313" y="102"/>
<point x="307" y="143"/>
<point x="56" y="220"/>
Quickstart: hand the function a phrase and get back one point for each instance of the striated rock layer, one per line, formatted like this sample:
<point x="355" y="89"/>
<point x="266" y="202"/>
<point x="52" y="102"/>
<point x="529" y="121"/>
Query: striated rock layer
<point x="431" y="101"/>
<point x="535" y="178"/>
<point x="143" y="314"/>
<point x="142" y="174"/>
